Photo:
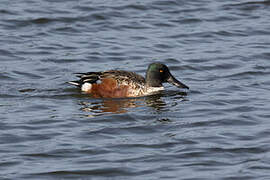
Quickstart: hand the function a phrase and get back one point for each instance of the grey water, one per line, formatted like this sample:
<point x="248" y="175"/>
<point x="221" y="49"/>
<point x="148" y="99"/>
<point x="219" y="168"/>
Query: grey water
<point x="219" y="129"/>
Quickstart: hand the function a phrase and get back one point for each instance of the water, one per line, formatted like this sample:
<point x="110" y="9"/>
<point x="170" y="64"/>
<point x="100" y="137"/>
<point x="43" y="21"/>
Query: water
<point x="219" y="129"/>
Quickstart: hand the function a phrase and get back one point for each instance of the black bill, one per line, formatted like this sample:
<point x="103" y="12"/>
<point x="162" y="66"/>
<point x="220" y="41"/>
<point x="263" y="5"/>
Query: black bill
<point x="177" y="83"/>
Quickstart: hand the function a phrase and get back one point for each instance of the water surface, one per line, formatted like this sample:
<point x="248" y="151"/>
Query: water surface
<point x="219" y="129"/>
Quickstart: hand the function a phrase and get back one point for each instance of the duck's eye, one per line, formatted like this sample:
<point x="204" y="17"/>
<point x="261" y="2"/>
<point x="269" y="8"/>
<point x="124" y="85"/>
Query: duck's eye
<point x="161" y="71"/>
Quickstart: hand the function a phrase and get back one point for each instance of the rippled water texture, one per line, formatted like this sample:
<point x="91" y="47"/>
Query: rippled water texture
<point x="219" y="129"/>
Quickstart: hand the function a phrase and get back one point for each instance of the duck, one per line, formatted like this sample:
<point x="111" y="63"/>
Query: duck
<point x="122" y="84"/>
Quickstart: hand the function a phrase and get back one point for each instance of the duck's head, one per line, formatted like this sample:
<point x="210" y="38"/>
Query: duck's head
<point x="159" y="73"/>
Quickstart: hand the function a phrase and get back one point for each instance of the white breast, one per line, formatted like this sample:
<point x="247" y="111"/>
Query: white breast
<point x="151" y="90"/>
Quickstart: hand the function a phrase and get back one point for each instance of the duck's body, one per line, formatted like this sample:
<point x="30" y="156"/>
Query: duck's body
<point x="117" y="83"/>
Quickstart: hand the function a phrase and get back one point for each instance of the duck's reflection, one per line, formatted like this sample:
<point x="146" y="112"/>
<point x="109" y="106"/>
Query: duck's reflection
<point x="158" y="104"/>
<point x="117" y="106"/>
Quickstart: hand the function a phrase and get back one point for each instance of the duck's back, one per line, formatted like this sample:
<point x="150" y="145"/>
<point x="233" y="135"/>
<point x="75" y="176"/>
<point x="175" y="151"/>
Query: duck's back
<point x="124" y="77"/>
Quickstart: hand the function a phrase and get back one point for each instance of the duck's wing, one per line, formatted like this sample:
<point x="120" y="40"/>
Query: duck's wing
<point x="123" y="77"/>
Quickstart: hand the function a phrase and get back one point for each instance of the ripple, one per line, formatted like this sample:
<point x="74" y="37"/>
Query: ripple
<point x="247" y="6"/>
<point x="134" y="7"/>
<point x="28" y="75"/>
<point x="104" y="172"/>
<point x="248" y="74"/>
<point x="41" y="21"/>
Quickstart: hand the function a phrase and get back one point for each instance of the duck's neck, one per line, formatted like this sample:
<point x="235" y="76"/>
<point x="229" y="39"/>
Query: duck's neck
<point x="152" y="80"/>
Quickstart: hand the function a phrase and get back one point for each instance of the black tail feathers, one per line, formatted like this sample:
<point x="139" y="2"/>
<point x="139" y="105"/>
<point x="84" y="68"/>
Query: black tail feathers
<point x="90" y="77"/>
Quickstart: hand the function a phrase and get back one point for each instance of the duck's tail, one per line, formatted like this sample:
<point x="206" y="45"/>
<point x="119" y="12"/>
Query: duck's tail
<point x="89" y="77"/>
<point x="76" y="83"/>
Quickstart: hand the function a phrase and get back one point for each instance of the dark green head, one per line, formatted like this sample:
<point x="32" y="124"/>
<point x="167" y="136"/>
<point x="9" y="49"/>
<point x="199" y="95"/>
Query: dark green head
<point x="159" y="73"/>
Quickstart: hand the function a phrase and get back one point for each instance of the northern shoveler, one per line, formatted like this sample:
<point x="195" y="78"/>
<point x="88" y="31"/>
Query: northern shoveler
<point x="117" y="83"/>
